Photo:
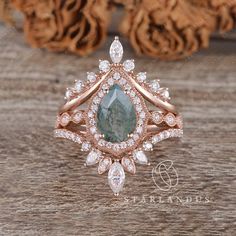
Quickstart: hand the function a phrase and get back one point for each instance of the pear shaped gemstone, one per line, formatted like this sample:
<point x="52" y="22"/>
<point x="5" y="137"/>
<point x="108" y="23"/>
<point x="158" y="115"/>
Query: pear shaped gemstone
<point x="116" y="117"/>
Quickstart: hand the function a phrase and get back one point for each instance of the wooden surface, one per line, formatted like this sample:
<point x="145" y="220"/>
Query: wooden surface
<point x="46" y="190"/>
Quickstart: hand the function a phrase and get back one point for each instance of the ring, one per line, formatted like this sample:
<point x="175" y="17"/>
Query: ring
<point x="108" y="115"/>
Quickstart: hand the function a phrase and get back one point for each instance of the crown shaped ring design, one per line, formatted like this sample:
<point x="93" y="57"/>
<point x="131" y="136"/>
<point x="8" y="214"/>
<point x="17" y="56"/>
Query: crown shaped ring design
<point x="108" y="116"/>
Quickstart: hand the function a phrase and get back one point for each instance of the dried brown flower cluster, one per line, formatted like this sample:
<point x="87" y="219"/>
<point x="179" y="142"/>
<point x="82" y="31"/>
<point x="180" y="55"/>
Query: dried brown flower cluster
<point x="76" y="26"/>
<point x="166" y="29"/>
<point x="173" y="29"/>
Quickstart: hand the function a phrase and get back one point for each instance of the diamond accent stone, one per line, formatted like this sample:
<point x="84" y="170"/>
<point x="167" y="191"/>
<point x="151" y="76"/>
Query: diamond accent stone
<point x="147" y="146"/>
<point x="91" y="77"/>
<point x="104" y="65"/>
<point x="116" y="76"/>
<point x="154" y="85"/>
<point x="116" y="51"/>
<point x="86" y="146"/>
<point x="64" y="119"/>
<point x="141" y="77"/>
<point x="77" y="117"/>
<point x="128" y="164"/>
<point x="69" y="93"/>
<point x="170" y="119"/>
<point x="116" y="177"/>
<point x="78" y="86"/>
<point x="165" y="94"/>
<point x="128" y="65"/>
<point x="157" y="117"/>
<point x="104" y="165"/>
<point x="140" y="157"/>
<point x="93" y="157"/>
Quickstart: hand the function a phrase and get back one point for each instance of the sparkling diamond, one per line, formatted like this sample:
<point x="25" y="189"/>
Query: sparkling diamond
<point x="142" y="115"/>
<point x="86" y="146"/>
<point x="122" y="81"/>
<point x="157" y="117"/>
<point x="78" y="86"/>
<point x="93" y="130"/>
<point x="165" y="94"/>
<point x="91" y="77"/>
<point x="156" y="139"/>
<point x="116" y="76"/>
<point x="128" y="164"/>
<point x="116" y="51"/>
<point x="123" y="145"/>
<point x="77" y="117"/>
<point x="128" y="65"/>
<point x="147" y="146"/>
<point x="93" y="157"/>
<point x="140" y="157"/>
<point x="141" y="77"/>
<point x="100" y="94"/>
<point x="116" y="177"/>
<point x="104" y="165"/>
<point x="68" y="94"/>
<point x="104" y="65"/>
<point x="154" y="85"/>
<point x="170" y="119"/>
<point x="64" y="119"/>
<point x="110" y="81"/>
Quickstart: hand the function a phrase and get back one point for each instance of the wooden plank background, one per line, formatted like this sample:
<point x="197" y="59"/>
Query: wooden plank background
<point x="46" y="190"/>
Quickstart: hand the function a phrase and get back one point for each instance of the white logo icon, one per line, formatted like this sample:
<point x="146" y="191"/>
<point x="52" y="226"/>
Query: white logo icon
<point x="165" y="176"/>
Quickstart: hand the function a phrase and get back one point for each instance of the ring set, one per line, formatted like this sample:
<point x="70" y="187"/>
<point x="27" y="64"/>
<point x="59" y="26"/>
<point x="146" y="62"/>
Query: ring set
<point x="109" y="117"/>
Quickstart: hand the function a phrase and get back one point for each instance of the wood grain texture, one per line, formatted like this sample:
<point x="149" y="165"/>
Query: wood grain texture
<point x="45" y="188"/>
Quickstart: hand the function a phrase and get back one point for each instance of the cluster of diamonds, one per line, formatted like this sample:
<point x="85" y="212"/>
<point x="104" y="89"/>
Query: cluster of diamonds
<point x="98" y="147"/>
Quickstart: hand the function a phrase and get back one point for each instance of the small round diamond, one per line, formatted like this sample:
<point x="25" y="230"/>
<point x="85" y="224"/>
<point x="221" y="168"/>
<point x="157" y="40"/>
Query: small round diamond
<point x="147" y="146"/>
<point x="139" y="129"/>
<point x="170" y="119"/>
<point x="157" y="117"/>
<point x="141" y="77"/>
<point x="77" y="117"/>
<point x="139" y="108"/>
<point x="105" y="87"/>
<point x="64" y="119"/>
<point x="93" y="130"/>
<point x="165" y="94"/>
<point x="128" y="65"/>
<point x="68" y="94"/>
<point x="104" y="65"/>
<point x="122" y="81"/>
<point x="110" y="81"/>
<point x="154" y="85"/>
<point x="86" y="146"/>
<point x="91" y="77"/>
<point x="142" y="115"/>
<point x="116" y="76"/>
<point x="78" y="86"/>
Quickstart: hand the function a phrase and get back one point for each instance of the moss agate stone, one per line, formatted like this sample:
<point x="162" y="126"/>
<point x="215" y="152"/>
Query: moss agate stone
<point x="116" y="117"/>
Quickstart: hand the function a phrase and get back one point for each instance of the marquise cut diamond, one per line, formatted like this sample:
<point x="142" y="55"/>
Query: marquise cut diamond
<point x="116" y="177"/>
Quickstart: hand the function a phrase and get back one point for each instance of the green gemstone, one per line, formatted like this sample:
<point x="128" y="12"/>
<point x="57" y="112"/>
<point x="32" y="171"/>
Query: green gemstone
<point x="116" y="117"/>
